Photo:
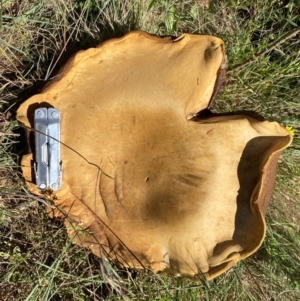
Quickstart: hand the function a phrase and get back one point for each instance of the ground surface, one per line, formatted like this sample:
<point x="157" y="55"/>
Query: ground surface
<point x="37" y="260"/>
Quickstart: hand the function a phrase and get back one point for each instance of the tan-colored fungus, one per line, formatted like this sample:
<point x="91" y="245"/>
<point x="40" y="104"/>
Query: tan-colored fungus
<point x="153" y="184"/>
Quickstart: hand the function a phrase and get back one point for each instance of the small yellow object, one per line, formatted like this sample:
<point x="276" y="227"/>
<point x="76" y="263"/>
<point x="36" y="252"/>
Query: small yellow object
<point x="290" y="130"/>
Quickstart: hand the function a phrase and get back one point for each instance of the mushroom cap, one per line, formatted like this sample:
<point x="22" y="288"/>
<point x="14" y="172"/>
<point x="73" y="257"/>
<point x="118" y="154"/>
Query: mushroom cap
<point x="151" y="183"/>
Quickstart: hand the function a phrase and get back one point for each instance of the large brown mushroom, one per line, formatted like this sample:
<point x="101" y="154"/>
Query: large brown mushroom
<point x="154" y="183"/>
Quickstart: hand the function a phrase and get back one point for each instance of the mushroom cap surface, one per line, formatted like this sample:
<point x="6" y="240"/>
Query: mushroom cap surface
<point x="148" y="181"/>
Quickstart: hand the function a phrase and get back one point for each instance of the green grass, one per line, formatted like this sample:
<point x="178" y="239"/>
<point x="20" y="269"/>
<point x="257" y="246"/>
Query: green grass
<point x="37" y="260"/>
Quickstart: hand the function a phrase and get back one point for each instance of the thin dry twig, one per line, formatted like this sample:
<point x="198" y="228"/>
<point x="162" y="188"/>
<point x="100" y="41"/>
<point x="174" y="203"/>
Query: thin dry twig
<point x="268" y="49"/>
<point x="255" y="281"/>
<point x="9" y="134"/>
